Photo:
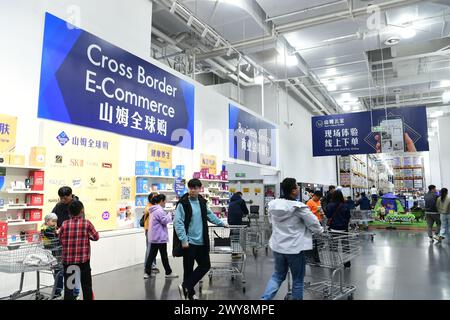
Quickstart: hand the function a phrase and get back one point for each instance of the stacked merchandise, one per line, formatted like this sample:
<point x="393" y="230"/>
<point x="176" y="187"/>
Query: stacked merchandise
<point x="408" y="173"/>
<point x="150" y="177"/>
<point x="215" y="189"/>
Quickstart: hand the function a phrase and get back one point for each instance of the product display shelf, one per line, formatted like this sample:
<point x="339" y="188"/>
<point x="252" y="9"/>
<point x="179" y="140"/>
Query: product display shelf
<point x="10" y="166"/>
<point x="214" y="181"/>
<point x="155" y="177"/>
<point x="21" y="191"/>
<point x="23" y="223"/>
<point x="215" y="193"/>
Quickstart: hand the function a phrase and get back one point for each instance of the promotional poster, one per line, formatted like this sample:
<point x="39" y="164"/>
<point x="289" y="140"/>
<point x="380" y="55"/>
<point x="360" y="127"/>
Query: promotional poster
<point x="378" y="131"/>
<point x="89" y="82"/>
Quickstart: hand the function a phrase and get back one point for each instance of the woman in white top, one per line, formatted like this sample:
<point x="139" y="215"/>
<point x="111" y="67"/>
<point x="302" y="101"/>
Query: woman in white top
<point x="443" y="206"/>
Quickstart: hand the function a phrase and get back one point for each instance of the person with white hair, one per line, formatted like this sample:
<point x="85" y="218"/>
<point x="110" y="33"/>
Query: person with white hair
<point x="49" y="233"/>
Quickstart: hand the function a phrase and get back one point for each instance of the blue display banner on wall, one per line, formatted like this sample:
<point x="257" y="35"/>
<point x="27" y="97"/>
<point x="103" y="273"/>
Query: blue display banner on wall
<point x="251" y="139"/>
<point x="396" y="130"/>
<point x="89" y="82"/>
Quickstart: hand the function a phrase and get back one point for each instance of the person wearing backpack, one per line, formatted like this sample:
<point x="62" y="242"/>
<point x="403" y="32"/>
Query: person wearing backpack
<point x="443" y="207"/>
<point x="191" y="237"/>
<point x="338" y="214"/>
<point x="145" y="222"/>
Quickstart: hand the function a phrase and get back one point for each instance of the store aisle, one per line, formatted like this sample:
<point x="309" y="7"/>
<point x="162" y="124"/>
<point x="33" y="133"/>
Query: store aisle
<point x="397" y="265"/>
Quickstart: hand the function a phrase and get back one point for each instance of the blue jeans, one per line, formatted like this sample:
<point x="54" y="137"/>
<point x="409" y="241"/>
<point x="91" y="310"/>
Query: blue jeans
<point x="296" y="263"/>
<point x="445" y="222"/>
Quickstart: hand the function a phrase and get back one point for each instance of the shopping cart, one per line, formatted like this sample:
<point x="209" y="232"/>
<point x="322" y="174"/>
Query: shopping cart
<point x="358" y="217"/>
<point x="331" y="251"/>
<point x="227" y="249"/>
<point x="258" y="234"/>
<point x="40" y="256"/>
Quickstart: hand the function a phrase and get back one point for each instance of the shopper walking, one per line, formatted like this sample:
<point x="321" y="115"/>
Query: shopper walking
<point x="237" y="209"/>
<point x="315" y="206"/>
<point x="191" y="237"/>
<point x="147" y="220"/>
<point x="364" y="205"/>
<point x="75" y="235"/>
<point x="292" y="227"/>
<point x="338" y="214"/>
<point x="158" y="236"/>
<point x="443" y="206"/>
<point x="432" y="212"/>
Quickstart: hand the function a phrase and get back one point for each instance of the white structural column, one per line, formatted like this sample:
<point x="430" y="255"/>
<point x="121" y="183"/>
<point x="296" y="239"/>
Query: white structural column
<point x="444" y="152"/>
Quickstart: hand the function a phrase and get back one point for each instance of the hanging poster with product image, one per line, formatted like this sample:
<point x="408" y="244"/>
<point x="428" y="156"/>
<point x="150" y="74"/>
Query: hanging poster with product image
<point x="251" y="138"/>
<point x="8" y="129"/>
<point x="402" y="130"/>
<point x="161" y="154"/>
<point x="209" y="162"/>
<point x="89" y="82"/>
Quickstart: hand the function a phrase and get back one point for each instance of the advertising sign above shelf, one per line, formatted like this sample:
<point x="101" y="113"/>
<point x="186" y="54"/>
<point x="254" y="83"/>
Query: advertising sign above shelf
<point x="252" y="139"/>
<point x="90" y="82"/>
<point x="400" y="130"/>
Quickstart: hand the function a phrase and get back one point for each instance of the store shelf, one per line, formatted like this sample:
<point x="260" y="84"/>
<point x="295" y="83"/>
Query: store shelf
<point x="160" y="191"/>
<point x="25" y="223"/>
<point x="9" y="166"/>
<point x="217" y="206"/>
<point x="21" y="192"/>
<point x="215" y="181"/>
<point x="22" y="207"/>
<point x="156" y="177"/>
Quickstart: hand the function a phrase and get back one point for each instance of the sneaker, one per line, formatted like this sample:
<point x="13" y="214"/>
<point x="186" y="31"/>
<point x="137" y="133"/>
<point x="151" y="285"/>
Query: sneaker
<point x="77" y="298"/>
<point x="155" y="270"/>
<point x="171" y="276"/>
<point x="146" y="275"/>
<point x="437" y="238"/>
<point x="182" y="291"/>
<point x="57" y="296"/>
<point x="193" y="297"/>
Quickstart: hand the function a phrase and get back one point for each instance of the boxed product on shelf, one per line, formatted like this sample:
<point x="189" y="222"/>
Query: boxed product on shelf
<point x="418" y="184"/>
<point x="224" y="175"/>
<point x="141" y="201"/>
<point x="407" y="162"/>
<point x="408" y="173"/>
<point x="3" y="232"/>
<point x="197" y="175"/>
<point x="32" y="235"/>
<point x="35" y="199"/>
<point x="418" y="173"/>
<point x="417" y="161"/>
<point x="33" y="215"/>
<point x="37" y="180"/>
<point x="16" y="159"/>
<point x="397" y="162"/>
<point x="142" y="185"/>
<point x="37" y="156"/>
<point x="409" y="184"/>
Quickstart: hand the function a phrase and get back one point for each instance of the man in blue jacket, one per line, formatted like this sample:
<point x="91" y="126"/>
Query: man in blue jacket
<point x="191" y="233"/>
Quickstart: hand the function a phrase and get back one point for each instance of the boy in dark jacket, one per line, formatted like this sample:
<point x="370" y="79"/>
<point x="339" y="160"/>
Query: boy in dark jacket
<point x="237" y="209"/>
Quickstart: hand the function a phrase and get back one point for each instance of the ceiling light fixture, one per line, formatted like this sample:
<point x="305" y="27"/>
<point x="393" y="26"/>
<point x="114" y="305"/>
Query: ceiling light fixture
<point x="437" y="114"/>
<point x="291" y="60"/>
<point x="445" y="83"/>
<point x="331" y="72"/>
<point x="259" y="79"/>
<point x="346" y="107"/>
<point x="331" y="87"/>
<point x="173" y="7"/>
<point x="407" y="32"/>
<point x="392" y="41"/>
<point x="446" y="97"/>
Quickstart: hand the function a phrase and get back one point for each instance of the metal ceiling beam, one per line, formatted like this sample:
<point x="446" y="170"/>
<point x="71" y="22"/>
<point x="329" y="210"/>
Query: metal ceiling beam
<point x="290" y="14"/>
<point x="341" y="15"/>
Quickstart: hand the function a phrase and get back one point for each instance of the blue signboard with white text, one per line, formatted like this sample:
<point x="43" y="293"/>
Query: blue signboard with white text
<point x="251" y="139"/>
<point x="392" y="130"/>
<point x="89" y="82"/>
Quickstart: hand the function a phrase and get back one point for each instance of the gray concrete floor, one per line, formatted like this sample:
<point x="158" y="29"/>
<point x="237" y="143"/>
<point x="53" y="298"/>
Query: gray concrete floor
<point x="396" y="265"/>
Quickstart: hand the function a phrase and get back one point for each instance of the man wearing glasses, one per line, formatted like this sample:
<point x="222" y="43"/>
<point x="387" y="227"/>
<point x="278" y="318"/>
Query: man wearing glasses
<point x="62" y="208"/>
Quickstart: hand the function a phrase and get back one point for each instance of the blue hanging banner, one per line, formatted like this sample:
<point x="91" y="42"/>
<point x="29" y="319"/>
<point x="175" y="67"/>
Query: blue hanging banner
<point x="179" y="187"/>
<point x="251" y="138"/>
<point x="378" y="131"/>
<point x="89" y="82"/>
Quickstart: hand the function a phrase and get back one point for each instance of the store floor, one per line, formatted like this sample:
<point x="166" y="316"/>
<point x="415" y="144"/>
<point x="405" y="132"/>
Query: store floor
<point x="397" y="265"/>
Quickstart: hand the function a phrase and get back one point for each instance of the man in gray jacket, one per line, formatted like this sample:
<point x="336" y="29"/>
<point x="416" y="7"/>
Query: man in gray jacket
<point x="292" y="227"/>
<point x="432" y="212"/>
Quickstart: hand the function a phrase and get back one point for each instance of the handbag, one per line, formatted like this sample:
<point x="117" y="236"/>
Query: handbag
<point x="334" y="214"/>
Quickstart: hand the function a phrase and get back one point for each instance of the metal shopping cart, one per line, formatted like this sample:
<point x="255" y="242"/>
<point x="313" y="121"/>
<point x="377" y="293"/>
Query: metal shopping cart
<point x="258" y="233"/>
<point x="358" y="217"/>
<point x="40" y="256"/>
<point x="331" y="250"/>
<point x="227" y="249"/>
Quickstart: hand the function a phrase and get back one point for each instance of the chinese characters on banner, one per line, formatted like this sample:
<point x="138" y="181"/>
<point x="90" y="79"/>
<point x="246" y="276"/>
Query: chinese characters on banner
<point x="8" y="128"/>
<point x="160" y="153"/>
<point x="251" y="138"/>
<point x="126" y="95"/>
<point x="208" y="161"/>
<point x="404" y="130"/>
